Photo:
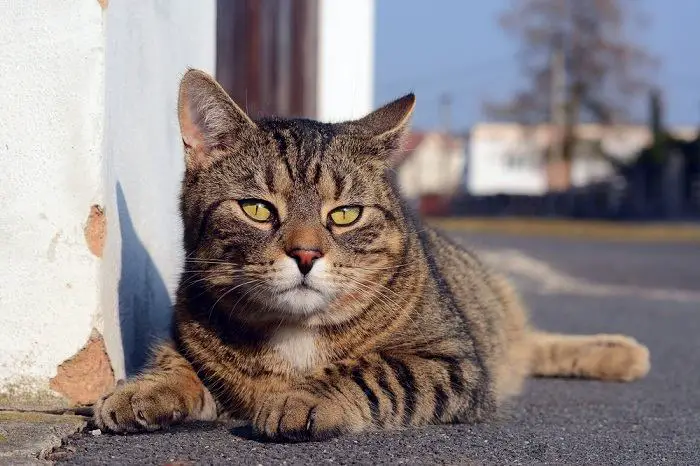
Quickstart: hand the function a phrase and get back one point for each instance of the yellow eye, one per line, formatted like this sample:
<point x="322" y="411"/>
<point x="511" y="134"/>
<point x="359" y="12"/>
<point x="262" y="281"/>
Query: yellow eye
<point x="259" y="211"/>
<point x="346" y="215"/>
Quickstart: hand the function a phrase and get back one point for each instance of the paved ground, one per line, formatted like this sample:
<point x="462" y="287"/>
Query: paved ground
<point x="651" y="291"/>
<point x="27" y="437"/>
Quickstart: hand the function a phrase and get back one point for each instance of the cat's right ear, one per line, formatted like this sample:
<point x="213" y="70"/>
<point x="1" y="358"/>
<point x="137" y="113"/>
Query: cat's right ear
<point x="210" y="121"/>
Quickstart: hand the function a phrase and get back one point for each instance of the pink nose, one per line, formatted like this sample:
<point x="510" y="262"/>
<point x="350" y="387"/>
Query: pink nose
<point x="305" y="258"/>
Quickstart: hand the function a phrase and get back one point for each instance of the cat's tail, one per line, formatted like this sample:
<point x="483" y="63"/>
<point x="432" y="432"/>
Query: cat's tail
<point x="604" y="357"/>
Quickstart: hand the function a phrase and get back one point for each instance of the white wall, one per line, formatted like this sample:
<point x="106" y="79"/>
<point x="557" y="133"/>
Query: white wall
<point x="622" y="143"/>
<point x="492" y="145"/>
<point x="585" y="171"/>
<point x="89" y="117"/>
<point x="150" y="44"/>
<point x="52" y="69"/>
<point x="490" y="172"/>
<point x="432" y="168"/>
<point x="346" y="59"/>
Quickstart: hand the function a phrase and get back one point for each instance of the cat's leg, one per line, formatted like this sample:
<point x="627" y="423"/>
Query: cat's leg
<point x="605" y="357"/>
<point x="379" y="391"/>
<point x="166" y="393"/>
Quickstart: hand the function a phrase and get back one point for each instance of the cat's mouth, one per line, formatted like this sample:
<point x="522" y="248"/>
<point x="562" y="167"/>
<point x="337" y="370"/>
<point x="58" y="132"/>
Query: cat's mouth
<point x="305" y="286"/>
<point x="302" y="298"/>
<point x="303" y="289"/>
<point x="301" y="285"/>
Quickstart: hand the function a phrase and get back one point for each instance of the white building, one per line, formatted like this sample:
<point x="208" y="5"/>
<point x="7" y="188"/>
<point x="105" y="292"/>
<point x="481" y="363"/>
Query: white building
<point x="92" y="161"/>
<point x="432" y="164"/>
<point x="510" y="158"/>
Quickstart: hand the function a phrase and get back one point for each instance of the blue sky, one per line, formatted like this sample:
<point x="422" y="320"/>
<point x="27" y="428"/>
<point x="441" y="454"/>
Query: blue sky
<point x="430" y="47"/>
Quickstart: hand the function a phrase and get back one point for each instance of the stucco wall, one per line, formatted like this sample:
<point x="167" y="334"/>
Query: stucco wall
<point x="89" y="117"/>
<point x="346" y="59"/>
<point x="52" y="68"/>
<point x="149" y="47"/>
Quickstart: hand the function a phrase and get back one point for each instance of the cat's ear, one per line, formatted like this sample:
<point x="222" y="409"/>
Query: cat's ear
<point x="386" y="128"/>
<point x="210" y="121"/>
<point x="391" y="119"/>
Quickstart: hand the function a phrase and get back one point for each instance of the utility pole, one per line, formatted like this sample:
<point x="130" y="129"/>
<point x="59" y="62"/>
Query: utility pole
<point x="557" y="165"/>
<point x="446" y="116"/>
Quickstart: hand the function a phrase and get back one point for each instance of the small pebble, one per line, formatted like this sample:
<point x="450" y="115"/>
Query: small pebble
<point x="96" y="432"/>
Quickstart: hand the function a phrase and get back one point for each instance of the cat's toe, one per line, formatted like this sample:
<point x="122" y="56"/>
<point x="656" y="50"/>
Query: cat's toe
<point x="138" y="406"/>
<point x="113" y="412"/>
<point x="300" y="417"/>
<point x="152" y="413"/>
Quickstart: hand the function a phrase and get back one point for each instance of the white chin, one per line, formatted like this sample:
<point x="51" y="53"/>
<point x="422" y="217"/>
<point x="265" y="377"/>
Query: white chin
<point x="300" y="301"/>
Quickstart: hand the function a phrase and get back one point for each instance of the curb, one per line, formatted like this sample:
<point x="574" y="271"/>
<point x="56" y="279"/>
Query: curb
<point x="598" y="230"/>
<point x="30" y="437"/>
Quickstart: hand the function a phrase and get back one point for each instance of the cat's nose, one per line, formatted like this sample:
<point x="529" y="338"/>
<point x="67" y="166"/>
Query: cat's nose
<point x="305" y="258"/>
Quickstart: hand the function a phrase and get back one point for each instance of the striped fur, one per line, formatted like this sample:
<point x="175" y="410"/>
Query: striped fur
<point x="395" y="326"/>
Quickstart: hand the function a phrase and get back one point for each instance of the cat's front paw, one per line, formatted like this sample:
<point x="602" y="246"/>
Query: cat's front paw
<point x="138" y="405"/>
<point x="301" y="416"/>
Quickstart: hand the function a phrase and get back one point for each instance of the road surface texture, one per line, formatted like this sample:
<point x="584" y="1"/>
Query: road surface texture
<point x="650" y="291"/>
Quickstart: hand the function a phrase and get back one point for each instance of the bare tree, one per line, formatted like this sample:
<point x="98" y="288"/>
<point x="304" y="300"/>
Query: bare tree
<point x="579" y="60"/>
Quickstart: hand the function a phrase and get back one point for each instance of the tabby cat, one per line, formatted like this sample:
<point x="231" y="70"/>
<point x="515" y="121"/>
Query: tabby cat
<point x="313" y="303"/>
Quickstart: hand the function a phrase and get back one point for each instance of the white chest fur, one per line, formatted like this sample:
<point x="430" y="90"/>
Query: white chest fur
<point x="297" y="346"/>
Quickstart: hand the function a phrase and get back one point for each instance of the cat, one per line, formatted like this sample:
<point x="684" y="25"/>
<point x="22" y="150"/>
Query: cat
<point x="314" y="303"/>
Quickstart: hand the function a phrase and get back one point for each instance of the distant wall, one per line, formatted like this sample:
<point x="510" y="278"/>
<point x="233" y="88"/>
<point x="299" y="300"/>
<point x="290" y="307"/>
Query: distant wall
<point x="52" y="68"/>
<point x="504" y="166"/>
<point x="509" y="158"/>
<point x="346" y="59"/>
<point x="149" y="47"/>
<point x="435" y="167"/>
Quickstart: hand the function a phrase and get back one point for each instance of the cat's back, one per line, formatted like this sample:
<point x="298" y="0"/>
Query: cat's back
<point x="459" y="266"/>
<point x="484" y="297"/>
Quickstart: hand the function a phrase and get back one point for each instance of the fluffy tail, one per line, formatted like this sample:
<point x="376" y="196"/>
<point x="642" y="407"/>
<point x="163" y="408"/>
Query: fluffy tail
<point x="604" y="357"/>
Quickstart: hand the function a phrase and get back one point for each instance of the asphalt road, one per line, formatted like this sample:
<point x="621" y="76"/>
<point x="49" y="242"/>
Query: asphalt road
<point x="650" y="291"/>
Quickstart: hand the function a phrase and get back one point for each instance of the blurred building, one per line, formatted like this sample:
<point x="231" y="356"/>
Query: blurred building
<point x="311" y="58"/>
<point x="431" y="169"/>
<point x="512" y="159"/>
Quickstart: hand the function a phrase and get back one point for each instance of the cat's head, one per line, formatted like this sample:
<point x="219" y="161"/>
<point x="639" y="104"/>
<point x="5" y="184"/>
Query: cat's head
<point x="297" y="217"/>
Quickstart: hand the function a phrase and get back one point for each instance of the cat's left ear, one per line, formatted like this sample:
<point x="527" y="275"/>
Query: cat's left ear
<point x="388" y="125"/>
<point x="390" y="119"/>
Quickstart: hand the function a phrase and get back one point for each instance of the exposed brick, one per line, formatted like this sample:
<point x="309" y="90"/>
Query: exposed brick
<point x="96" y="230"/>
<point x="87" y="375"/>
<point x="103" y="3"/>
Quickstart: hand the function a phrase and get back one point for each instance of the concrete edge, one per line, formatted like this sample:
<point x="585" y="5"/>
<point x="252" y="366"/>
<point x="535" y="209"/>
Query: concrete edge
<point x="31" y="437"/>
<point x="599" y="230"/>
